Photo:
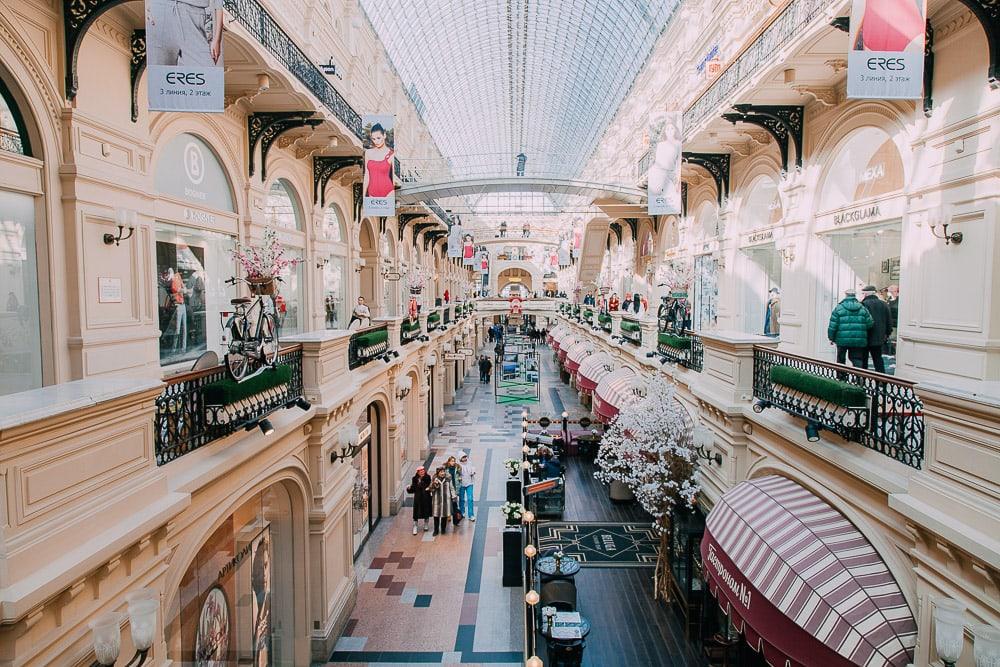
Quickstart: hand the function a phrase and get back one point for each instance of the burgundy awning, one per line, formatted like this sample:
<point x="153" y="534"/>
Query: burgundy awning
<point x="564" y="345"/>
<point x="613" y="393"/>
<point x="802" y="584"/>
<point x="593" y="369"/>
<point x="559" y="334"/>
<point x="576" y="354"/>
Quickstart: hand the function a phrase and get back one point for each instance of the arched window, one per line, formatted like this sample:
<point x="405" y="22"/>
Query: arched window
<point x="335" y="271"/>
<point x="867" y="165"/>
<point x="13" y="136"/>
<point x="333" y="224"/>
<point x="762" y="206"/>
<point x="282" y="208"/>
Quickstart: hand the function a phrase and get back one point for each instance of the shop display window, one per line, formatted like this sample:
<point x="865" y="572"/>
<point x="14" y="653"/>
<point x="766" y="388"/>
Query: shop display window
<point x="335" y="293"/>
<point x="192" y="266"/>
<point x="20" y="330"/>
<point x="288" y="302"/>
<point x="333" y="224"/>
<point x="762" y="290"/>
<point x="282" y="207"/>
<point x="706" y="292"/>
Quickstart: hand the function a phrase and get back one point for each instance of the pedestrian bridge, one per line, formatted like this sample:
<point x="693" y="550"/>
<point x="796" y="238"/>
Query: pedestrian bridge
<point x="416" y="193"/>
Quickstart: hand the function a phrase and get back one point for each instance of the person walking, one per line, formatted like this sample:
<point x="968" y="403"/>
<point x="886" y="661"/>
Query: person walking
<point x="442" y="493"/>
<point x="489" y="369"/>
<point x="420" y="488"/>
<point x="881" y="326"/>
<point x="467" y="480"/>
<point x="482" y="369"/>
<point x="848" y="330"/>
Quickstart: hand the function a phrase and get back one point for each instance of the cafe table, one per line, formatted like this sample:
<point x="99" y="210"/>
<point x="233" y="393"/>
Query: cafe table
<point x="568" y="626"/>
<point x="546" y="566"/>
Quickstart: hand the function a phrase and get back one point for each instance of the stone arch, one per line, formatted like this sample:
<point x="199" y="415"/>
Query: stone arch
<point x="895" y="559"/>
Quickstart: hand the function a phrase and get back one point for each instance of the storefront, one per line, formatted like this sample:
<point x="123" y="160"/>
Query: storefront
<point x="686" y="577"/>
<point x="615" y="391"/>
<point x="21" y="206"/>
<point x="760" y="260"/>
<point x="592" y="370"/>
<point x="284" y="212"/>
<point x="366" y="496"/>
<point x="236" y="599"/>
<point x="784" y="566"/>
<point x="576" y="355"/>
<point x="196" y="232"/>
<point x="860" y="225"/>
<point x="335" y="248"/>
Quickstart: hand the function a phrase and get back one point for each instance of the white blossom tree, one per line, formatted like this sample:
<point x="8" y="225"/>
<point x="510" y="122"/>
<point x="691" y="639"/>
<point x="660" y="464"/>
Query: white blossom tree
<point x="648" y="448"/>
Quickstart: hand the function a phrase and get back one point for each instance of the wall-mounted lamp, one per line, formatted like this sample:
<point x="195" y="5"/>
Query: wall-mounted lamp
<point x="349" y="445"/>
<point x="322" y="263"/>
<point x="949" y="635"/>
<point x="107" y="635"/>
<point x="952" y="237"/>
<point x="126" y="222"/>
<point x="359" y="263"/>
<point x="403" y="387"/>
<point x="703" y="441"/>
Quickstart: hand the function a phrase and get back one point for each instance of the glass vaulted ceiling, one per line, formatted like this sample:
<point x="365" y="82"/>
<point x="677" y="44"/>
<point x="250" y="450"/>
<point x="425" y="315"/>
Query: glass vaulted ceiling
<point x="498" y="78"/>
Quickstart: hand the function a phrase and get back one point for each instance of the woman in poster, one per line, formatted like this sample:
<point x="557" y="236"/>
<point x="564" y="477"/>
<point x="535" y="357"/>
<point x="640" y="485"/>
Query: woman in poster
<point x="378" y="165"/>
<point x="185" y="33"/>
<point x="467" y="250"/>
<point x="260" y="581"/>
<point x="664" y="178"/>
<point x="889" y="25"/>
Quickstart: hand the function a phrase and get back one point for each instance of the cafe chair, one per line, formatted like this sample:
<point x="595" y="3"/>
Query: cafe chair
<point x="566" y="652"/>
<point x="559" y="593"/>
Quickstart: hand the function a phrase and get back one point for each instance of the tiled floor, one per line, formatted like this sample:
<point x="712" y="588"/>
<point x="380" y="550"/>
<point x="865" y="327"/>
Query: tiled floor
<point x="439" y="600"/>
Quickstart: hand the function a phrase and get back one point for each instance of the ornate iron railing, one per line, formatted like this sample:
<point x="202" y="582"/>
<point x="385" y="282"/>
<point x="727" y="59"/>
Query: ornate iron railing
<point x="605" y="322"/>
<point x="692" y="356"/>
<point x="259" y="23"/>
<point x="446" y="318"/>
<point x="10" y="141"/>
<point x="892" y="422"/>
<point x="184" y="422"/>
<point x="367" y="345"/>
<point x="763" y="50"/>
<point x="643" y="165"/>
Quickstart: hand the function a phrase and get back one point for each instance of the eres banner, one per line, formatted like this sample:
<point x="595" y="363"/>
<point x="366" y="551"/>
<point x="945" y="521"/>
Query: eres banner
<point x="184" y="55"/>
<point x="886" y="60"/>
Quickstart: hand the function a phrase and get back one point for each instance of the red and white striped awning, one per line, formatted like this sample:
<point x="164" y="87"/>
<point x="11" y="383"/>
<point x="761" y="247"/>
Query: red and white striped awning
<point x="592" y="370"/>
<point x="802" y="584"/>
<point x="614" y="392"/>
<point x="577" y="353"/>
<point x="565" y="344"/>
<point x="559" y="334"/>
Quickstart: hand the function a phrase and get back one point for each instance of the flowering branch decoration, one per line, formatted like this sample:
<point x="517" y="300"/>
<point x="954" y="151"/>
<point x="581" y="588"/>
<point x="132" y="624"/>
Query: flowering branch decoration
<point x="677" y="275"/>
<point x="267" y="261"/>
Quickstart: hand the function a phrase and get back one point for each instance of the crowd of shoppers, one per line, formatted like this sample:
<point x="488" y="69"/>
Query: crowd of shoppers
<point x="861" y="329"/>
<point x="445" y="496"/>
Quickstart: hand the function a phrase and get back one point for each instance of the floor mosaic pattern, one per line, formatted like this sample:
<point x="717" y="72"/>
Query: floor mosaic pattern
<point x="601" y="544"/>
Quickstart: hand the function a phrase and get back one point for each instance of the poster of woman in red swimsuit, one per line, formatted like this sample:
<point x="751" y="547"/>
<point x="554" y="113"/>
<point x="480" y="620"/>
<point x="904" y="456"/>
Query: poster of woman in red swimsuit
<point x="886" y="57"/>
<point x="379" y="143"/>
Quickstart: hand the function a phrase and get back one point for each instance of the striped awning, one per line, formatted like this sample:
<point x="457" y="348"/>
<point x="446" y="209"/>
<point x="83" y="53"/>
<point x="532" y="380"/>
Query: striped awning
<point x="614" y="392"/>
<point x="554" y="332"/>
<point x="559" y="334"/>
<point x="565" y="344"/>
<point x="592" y="370"/>
<point x="577" y="353"/>
<point x="802" y="584"/>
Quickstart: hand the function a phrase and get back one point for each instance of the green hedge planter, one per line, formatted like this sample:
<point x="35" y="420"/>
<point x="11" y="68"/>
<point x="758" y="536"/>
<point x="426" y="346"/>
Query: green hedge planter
<point x="410" y="327"/>
<point x="676" y="342"/>
<point x="604" y="319"/>
<point x="226" y="392"/>
<point x="372" y="338"/>
<point x="630" y="326"/>
<point x="843" y="394"/>
<point x="433" y="318"/>
<point x="588" y="314"/>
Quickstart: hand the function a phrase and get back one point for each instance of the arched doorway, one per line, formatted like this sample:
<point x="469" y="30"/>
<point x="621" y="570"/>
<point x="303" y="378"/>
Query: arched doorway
<point x="514" y="282"/>
<point x="366" y="496"/>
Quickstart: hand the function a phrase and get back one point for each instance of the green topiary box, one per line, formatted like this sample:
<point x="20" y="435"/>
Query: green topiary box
<point x="434" y="318"/>
<point x="630" y="326"/>
<point x="372" y="338"/>
<point x="228" y="391"/>
<point x="676" y="342"/>
<point x="844" y="394"/>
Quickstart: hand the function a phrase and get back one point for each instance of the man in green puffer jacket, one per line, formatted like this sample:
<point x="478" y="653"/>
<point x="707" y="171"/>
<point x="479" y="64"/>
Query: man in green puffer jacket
<point x="848" y="330"/>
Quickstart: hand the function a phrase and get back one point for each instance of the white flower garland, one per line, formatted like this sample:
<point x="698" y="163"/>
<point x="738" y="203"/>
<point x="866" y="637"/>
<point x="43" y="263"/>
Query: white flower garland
<point x="648" y="448"/>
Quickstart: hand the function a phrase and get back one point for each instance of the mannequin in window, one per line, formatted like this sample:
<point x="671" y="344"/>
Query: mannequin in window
<point x="177" y="290"/>
<point x="772" y="327"/>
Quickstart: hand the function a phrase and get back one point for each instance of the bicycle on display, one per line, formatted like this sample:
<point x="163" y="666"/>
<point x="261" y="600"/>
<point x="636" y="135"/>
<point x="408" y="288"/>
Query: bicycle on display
<point x="252" y="332"/>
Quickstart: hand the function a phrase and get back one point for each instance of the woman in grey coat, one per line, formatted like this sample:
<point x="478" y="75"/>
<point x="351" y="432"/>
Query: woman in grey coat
<point x="443" y="497"/>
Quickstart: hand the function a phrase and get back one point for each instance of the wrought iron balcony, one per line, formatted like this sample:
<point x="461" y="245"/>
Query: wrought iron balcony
<point x="259" y="23"/>
<point x="367" y="345"/>
<point x="192" y="411"/>
<point x="764" y="50"/>
<point x="685" y="349"/>
<point x="875" y="410"/>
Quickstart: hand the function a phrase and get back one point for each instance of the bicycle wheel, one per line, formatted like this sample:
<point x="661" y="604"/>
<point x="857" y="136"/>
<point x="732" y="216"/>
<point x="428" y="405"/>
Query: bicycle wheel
<point x="236" y="360"/>
<point x="269" y="339"/>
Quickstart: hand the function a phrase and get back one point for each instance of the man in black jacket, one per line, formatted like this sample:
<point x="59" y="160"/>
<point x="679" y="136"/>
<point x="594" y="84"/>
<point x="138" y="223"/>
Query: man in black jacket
<point x="882" y="327"/>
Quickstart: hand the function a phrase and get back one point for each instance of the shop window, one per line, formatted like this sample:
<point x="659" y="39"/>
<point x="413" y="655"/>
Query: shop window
<point x="13" y="137"/>
<point x="282" y="208"/>
<point x="192" y="298"/>
<point x="237" y="603"/>
<point x="762" y="206"/>
<point x="706" y="292"/>
<point x="867" y="165"/>
<point x="762" y="290"/>
<point x="335" y="292"/>
<point x="333" y="224"/>
<point x="289" y="302"/>
<point x="20" y="330"/>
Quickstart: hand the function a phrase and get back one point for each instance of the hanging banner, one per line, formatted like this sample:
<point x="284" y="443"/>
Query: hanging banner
<point x="184" y="56"/>
<point x="379" y="143"/>
<point x="468" y="251"/>
<point x="484" y="261"/>
<point x="455" y="247"/>
<point x="886" y="60"/>
<point x="664" y="175"/>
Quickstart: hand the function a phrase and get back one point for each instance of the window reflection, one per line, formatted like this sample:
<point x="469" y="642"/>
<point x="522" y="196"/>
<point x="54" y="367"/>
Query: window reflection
<point x="20" y="332"/>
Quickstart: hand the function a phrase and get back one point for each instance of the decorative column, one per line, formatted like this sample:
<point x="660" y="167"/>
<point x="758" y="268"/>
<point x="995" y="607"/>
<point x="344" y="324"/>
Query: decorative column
<point x="648" y="329"/>
<point x="616" y="323"/>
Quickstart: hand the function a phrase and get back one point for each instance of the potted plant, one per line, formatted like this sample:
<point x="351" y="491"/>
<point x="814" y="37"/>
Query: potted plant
<point x="513" y="467"/>
<point x="512" y="512"/>
<point x="262" y="264"/>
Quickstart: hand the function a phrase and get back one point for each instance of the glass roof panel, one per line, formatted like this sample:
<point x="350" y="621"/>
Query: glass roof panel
<point x="541" y="78"/>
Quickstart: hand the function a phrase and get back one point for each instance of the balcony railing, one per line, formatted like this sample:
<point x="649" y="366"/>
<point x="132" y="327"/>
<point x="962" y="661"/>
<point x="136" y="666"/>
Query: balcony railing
<point x="884" y="414"/>
<point x="685" y="349"/>
<point x="604" y="321"/>
<point x="252" y="16"/>
<point x="765" y="49"/>
<point x="447" y="316"/>
<point x="631" y="331"/>
<point x="367" y="345"/>
<point x="186" y="418"/>
<point x="409" y="331"/>
<point x="643" y="166"/>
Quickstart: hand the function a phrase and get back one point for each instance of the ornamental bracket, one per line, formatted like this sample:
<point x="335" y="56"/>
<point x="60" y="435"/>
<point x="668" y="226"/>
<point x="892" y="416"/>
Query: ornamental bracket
<point x="137" y="46"/>
<point x="265" y="127"/>
<point x="78" y="16"/>
<point x="326" y="167"/>
<point x="716" y="164"/>
<point x="617" y="229"/>
<point x="684" y="198"/>
<point x="633" y="224"/>
<point x="403" y="219"/>
<point x="770" y="116"/>
<point x="421" y="227"/>
<point x="988" y="13"/>
<point x="431" y="237"/>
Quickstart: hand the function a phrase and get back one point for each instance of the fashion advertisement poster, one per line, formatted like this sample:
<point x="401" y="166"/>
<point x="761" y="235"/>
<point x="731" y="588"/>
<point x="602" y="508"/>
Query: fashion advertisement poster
<point x="664" y="175"/>
<point x="225" y="597"/>
<point x="886" y="60"/>
<point x="184" y="55"/>
<point x="455" y="247"/>
<point x="379" y="144"/>
<point x="468" y="254"/>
